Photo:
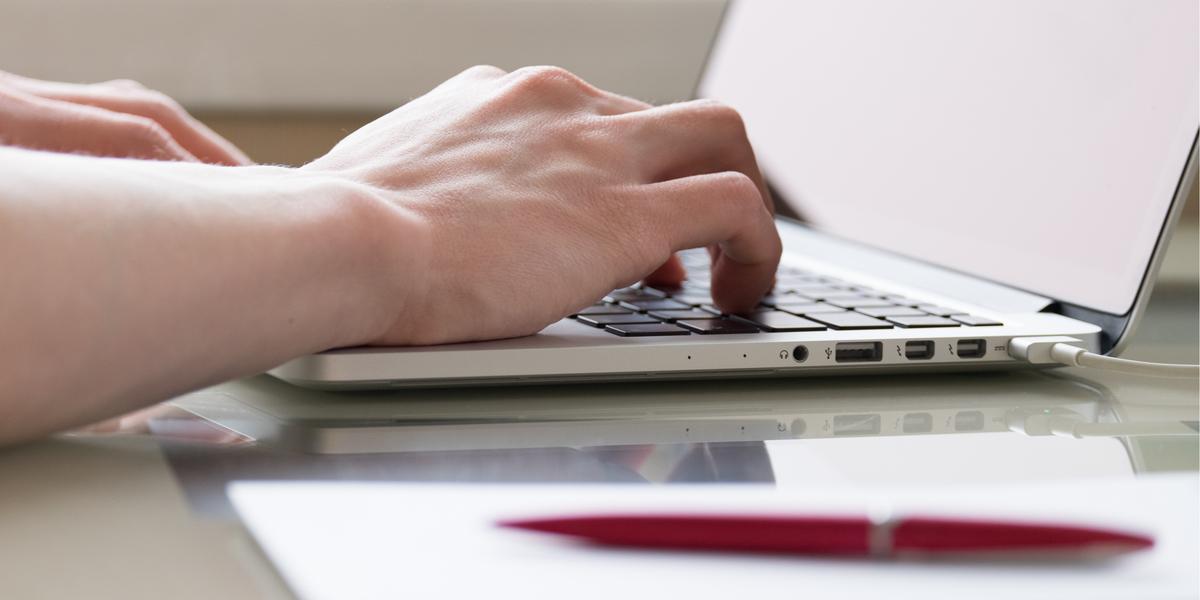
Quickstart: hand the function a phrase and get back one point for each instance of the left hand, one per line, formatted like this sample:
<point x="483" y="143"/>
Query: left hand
<point x="118" y="118"/>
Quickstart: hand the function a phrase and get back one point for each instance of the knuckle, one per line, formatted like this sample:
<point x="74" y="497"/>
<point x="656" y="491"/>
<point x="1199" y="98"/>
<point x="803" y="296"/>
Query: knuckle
<point x="128" y="84"/>
<point x="482" y="71"/>
<point x="152" y="105"/>
<point x="541" y="78"/>
<point x="158" y="103"/>
<point x="721" y="114"/>
<point x="738" y="195"/>
<point x="738" y="188"/>
<point x="146" y="130"/>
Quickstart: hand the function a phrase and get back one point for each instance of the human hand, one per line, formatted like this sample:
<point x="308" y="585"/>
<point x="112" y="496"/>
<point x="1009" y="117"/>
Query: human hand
<point x="537" y="193"/>
<point x="115" y="118"/>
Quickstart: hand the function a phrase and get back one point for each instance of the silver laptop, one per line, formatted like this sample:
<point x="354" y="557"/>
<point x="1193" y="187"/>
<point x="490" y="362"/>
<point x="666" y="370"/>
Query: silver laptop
<point x="967" y="172"/>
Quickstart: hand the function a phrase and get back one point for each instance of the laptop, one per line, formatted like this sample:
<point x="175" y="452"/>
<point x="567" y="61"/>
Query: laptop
<point x="966" y="173"/>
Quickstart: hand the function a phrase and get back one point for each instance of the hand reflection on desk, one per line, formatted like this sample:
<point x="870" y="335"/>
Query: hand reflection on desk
<point x="167" y="422"/>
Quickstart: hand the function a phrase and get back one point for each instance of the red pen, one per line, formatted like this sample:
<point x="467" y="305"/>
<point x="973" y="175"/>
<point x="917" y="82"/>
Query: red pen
<point x="839" y="536"/>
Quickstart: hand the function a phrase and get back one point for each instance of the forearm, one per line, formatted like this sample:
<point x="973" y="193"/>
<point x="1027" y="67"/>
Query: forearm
<point x="125" y="282"/>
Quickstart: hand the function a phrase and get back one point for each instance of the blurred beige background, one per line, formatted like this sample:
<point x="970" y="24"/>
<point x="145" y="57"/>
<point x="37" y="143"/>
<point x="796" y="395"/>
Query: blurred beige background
<point x="286" y="79"/>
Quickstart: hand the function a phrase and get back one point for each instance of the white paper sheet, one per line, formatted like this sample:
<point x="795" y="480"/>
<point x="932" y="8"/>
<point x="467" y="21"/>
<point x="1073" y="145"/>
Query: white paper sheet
<point x="381" y="540"/>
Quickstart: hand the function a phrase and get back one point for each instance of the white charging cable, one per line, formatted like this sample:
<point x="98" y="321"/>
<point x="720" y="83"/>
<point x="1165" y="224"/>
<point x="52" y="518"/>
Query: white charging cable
<point x="1066" y="350"/>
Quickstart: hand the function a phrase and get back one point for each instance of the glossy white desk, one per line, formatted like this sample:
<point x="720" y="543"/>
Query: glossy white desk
<point x="144" y="515"/>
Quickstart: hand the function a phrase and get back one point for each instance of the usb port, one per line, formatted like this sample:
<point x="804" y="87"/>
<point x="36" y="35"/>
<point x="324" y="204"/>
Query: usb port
<point x="922" y="350"/>
<point x="859" y="352"/>
<point x="971" y="348"/>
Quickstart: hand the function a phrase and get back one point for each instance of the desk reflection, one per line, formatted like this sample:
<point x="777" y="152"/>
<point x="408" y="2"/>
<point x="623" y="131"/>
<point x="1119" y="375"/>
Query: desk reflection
<point x="951" y="427"/>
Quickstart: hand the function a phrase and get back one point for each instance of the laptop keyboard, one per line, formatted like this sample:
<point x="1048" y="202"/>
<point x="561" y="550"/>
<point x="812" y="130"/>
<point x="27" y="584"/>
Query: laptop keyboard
<point x="801" y="301"/>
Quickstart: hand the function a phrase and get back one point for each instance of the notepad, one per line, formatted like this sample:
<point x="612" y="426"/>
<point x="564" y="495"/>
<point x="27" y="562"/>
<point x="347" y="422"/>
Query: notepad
<point x="384" y="540"/>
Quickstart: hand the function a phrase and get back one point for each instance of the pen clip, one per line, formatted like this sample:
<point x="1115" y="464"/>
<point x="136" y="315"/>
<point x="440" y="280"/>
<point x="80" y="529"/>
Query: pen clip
<point x="880" y="536"/>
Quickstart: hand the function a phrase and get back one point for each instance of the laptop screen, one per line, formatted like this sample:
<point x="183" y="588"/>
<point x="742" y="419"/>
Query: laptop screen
<point x="1037" y="143"/>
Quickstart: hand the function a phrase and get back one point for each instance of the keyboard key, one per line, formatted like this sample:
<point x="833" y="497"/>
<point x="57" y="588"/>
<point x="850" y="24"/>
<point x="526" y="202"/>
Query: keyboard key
<point x="757" y="310"/>
<point x="686" y="313"/>
<point x="773" y="299"/>
<point x="692" y="299"/>
<point x="940" y="311"/>
<point x="717" y="326"/>
<point x="777" y="296"/>
<point x="892" y="311"/>
<point x="633" y="294"/>
<point x="603" y="309"/>
<point x="849" y="295"/>
<point x="860" y="302"/>
<point x="849" y="320"/>
<point x="641" y="330"/>
<point x="665" y="291"/>
<point x="801" y="281"/>
<point x="800" y="304"/>
<point x="974" y="321"/>
<point x="813" y="292"/>
<point x="925" y="321"/>
<point x="656" y="304"/>
<point x="602" y="320"/>
<point x="812" y="309"/>
<point x="808" y="286"/>
<point x="868" y="291"/>
<point x="780" y="321"/>
<point x="714" y="310"/>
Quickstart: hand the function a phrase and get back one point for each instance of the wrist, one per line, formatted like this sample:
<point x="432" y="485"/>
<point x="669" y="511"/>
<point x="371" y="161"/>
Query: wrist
<point x="383" y="255"/>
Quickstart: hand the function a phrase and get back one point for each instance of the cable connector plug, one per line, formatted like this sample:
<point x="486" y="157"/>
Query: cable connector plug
<point x="1039" y="350"/>
<point x="1065" y="350"/>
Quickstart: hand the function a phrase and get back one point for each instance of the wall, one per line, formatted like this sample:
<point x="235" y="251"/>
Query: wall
<point x="352" y="55"/>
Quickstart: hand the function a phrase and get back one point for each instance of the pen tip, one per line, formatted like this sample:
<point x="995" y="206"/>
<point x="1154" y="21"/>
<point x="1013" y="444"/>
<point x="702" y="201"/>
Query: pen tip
<point x="543" y="525"/>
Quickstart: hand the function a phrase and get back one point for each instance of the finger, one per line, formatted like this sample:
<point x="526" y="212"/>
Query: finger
<point x="57" y="126"/>
<point x="691" y="138"/>
<point x="130" y="97"/>
<point x="670" y="274"/>
<point x="194" y="136"/>
<point x="724" y="209"/>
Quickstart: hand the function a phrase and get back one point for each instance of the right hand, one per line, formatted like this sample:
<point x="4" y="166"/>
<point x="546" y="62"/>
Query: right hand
<point x="535" y="194"/>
